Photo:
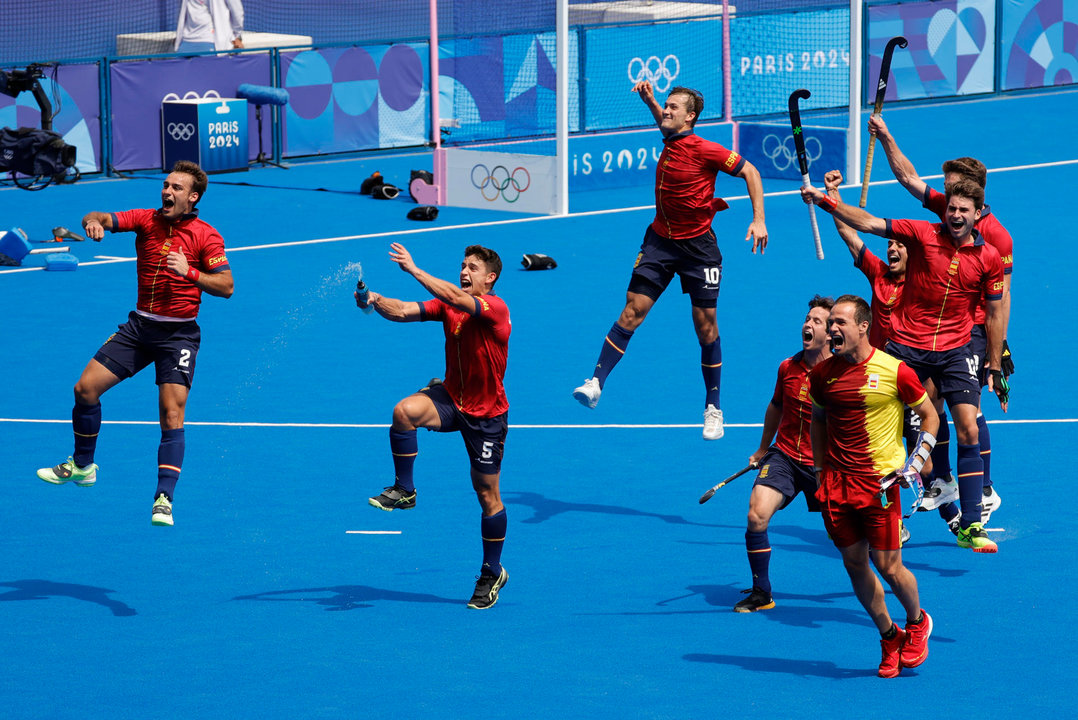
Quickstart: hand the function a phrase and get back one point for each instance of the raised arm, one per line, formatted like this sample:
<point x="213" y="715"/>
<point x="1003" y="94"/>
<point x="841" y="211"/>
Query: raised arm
<point x="647" y="94"/>
<point x="901" y="166"/>
<point x="854" y="243"/>
<point x="757" y="229"/>
<point x="445" y="291"/>
<point x="855" y="217"/>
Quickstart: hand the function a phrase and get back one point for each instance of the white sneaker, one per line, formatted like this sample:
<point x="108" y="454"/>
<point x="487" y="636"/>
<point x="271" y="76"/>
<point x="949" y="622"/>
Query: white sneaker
<point x="990" y="502"/>
<point x="588" y="393"/>
<point x="940" y="492"/>
<point x="904" y="537"/>
<point x="713" y="429"/>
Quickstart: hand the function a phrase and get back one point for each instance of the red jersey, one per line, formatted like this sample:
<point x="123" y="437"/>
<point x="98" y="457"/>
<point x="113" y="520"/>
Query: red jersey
<point x="863" y="404"/>
<point x="792" y="398"/>
<point x="943" y="285"/>
<point x="685" y="185"/>
<point x="991" y="230"/>
<point x="886" y="292"/>
<point x="476" y="348"/>
<point x="160" y="292"/>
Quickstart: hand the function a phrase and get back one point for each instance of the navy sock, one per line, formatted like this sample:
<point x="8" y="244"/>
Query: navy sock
<point x="985" y="441"/>
<point x="970" y="483"/>
<point x="614" y="346"/>
<point x="86" y="424"/>
<point x="405" y="447"/>
<point x="711" y="365"/>
<point x="948" y="511"/>
<point x="759" y="549"/>
<point x="169" y="461"/>
<point x="493" y="531"/>
<point x="941" y="454"/>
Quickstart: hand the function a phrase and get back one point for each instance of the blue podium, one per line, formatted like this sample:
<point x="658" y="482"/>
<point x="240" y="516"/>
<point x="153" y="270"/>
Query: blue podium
<point x="209" y="131"/>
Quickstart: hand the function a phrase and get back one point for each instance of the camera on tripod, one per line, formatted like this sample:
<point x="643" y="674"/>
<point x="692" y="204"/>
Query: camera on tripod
<point x="39" y="154"/>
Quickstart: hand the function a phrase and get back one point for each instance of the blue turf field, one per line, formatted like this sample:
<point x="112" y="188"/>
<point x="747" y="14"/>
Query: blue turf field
<point x="258" y="604"/>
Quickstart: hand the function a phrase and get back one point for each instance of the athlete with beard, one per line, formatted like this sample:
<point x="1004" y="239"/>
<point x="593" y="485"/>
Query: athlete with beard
<point x="950" y="269"/>
<point x="858" y="395"/>
<point x="179" y="257"/>
<point x="471" y="400"/>
<point x="786" y="467"/>
<point x="943" y="488"/>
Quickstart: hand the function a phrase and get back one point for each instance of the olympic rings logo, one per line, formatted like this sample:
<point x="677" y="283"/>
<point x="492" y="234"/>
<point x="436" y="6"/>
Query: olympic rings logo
<point x="783" y="153"/>
<point x="181" y="131"/>
<point x="189" y="95"/>
<point x="660" y="73"/>
<point x="501" y="182"/>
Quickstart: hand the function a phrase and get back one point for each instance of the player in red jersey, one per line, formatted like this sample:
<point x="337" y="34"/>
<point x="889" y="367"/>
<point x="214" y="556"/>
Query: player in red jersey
<point x="470" y="400"/>
<point x="995" y="234"/>
<point x="786" y="465"/>
<point x="179" y="257"/>
<point x="886" y="278"/>
<point x="949" y="270"/>
<point x="680" y="242"/>
<point x="858" y="396"/>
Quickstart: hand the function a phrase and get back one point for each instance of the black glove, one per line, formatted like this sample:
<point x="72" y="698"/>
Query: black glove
<point x="1007" y="365"/>
<point x="1000" y="386"/>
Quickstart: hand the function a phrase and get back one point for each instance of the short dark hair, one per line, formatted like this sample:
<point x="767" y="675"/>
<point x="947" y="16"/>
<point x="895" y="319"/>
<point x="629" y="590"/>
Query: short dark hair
<point x="820" y="301"/>
<point x="199" y="181"/>
<point x="862" y="313"/>
<point x="489" y="258"/>
<point x="966" y="188"/>
<point x="968" y="167"/>
<point x="695" y="103"/>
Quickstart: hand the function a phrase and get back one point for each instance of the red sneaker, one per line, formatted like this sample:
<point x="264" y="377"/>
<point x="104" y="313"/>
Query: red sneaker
<point x="891" y="663"/>
<point x="915" y="649"/>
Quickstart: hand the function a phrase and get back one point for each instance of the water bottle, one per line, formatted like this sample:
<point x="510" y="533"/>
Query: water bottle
<point x="363" y="297"/>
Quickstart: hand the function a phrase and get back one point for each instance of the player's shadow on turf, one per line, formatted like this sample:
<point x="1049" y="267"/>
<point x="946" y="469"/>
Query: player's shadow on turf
<point x="345" y="597"/>
<point x="545" y="508"/>
<point x="786" y="666"/>
<point x="45" y="589"/>
<point x="724" y="597"/>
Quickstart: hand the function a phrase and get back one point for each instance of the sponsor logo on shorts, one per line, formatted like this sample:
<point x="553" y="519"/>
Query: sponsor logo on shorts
<point x="764" y="470"/>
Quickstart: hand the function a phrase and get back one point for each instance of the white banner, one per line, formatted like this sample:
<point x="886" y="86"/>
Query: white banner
<point x="501" y="181"/>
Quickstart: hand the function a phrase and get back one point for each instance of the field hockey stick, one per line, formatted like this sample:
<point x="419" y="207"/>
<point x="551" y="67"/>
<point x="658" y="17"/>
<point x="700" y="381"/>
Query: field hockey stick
<point x="916" y="486"/>
<point x="881" y="90"/>
<point x="802" y="161"/>
<point x="707" y="496"/>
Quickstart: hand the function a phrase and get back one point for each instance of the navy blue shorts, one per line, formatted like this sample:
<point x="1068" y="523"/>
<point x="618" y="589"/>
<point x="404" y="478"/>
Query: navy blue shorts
<point x="978" y="344"/>
<point x="954" y="372"/>
<point x="484" y="437"/>
<point x="660" y="259"/>
<point x="171" y="346"/>
<point x="778" y="471"/>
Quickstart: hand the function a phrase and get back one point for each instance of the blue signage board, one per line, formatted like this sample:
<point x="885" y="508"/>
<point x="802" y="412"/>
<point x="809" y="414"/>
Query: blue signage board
<point x="209" y="131"/>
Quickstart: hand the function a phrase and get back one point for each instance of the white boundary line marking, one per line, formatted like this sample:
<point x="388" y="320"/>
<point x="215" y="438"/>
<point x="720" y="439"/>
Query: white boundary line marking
<point x="372" y="532"/>
<point x="554" y="426"/>
<point x="540" y="218"/>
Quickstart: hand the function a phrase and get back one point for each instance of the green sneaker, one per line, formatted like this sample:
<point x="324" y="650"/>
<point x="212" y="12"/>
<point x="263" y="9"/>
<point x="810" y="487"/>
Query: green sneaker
<point x="975" y="538"/>
<point x="68" y="470"/>
<point x="162" y="511"/>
